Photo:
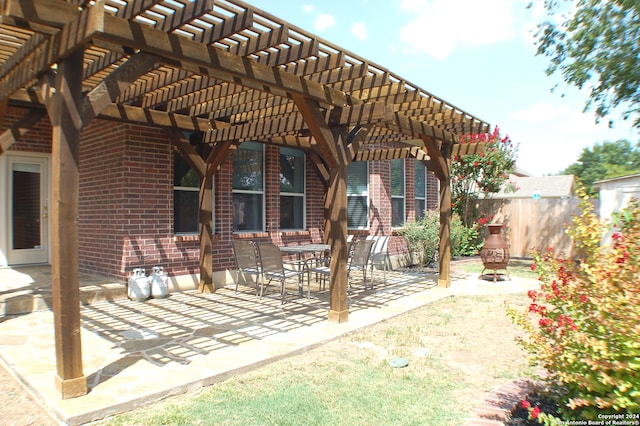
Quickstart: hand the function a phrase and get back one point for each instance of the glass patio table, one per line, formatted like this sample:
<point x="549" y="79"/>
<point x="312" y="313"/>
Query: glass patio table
<point x="300" y="249"/>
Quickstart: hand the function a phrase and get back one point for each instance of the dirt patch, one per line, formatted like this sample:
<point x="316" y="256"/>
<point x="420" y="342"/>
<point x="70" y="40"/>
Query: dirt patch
<point x="17" y="407"/>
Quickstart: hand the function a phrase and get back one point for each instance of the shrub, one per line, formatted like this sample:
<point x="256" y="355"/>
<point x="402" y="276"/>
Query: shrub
<point x="465" y="241"/>
<point x="423" y="237"/>
<point x="583" y="324"/>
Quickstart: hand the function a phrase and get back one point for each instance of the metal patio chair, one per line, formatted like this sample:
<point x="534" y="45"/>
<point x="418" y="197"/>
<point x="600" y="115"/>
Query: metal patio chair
<point x="359" y="260"/>
<point x="244" y="252"/>
<point x="379" y="258"/>
<point x="320" y="265"/>
<point x="273" y="268"/>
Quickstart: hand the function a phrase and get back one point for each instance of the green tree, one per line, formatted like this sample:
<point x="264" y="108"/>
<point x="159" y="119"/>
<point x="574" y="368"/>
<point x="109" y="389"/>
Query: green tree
<point x="594" y="44"/>
<point x="481" y="172"/>
<point x="605" y="161"/>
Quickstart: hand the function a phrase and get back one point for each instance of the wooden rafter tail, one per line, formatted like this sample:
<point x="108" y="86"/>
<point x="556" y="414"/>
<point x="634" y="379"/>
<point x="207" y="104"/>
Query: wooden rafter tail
<point x="163" y="80"/>
<point x="187" y="97"/>
<point x="76" y="31"/>
<point x="468" y="148"/>
<point x="155" y="117"/>
<point x="293" y="141"/>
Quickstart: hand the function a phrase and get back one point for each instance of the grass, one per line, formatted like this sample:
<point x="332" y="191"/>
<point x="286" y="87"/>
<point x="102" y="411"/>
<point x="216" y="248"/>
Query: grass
<point x="516" y="268"/>
<point x="459" y="348"/>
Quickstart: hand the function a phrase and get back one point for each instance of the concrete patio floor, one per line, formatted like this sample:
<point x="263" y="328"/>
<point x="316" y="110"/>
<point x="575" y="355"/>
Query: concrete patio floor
<point x="136" y="353"/>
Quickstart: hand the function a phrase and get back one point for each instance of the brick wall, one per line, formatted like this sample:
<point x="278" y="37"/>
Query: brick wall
<point x="126" y="201"/>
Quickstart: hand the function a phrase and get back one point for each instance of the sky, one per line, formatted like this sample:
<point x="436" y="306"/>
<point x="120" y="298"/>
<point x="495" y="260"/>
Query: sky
<point x="478" y="55"/>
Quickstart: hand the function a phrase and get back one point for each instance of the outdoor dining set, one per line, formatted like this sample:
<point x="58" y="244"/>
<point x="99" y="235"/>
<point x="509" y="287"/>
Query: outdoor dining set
<point x="266" y="262"/>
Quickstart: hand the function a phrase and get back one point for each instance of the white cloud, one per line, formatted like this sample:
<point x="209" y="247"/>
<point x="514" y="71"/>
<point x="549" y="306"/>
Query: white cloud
<point x="308" y="8"/>
<point x="540" y="112"/>
<point x="441" y="26"/>
<point x="324" y="21"/>
<point x="358" y="30"/>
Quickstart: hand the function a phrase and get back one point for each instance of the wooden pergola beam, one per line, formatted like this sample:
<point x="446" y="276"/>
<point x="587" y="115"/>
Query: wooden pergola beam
<point x="365" y="114"/>
<point x="103" y="94"/>
<point x="323" y="139"/>
<point x="26" y="123"/>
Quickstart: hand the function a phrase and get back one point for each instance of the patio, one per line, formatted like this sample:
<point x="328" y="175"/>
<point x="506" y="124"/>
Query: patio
<point x="140" y="352"/>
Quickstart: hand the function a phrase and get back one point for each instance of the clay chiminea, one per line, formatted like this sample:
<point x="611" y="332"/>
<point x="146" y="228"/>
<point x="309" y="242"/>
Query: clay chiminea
<point x="495" y="251"/>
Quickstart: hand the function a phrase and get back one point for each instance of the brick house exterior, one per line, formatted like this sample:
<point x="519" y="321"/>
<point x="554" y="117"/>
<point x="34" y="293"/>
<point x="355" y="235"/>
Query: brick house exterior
<point x="126" y="202"/>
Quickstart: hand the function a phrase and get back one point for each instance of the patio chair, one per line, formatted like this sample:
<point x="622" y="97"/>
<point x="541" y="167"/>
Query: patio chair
<point x="320" y="265"/>
<point x="359" y="260"/>
<point x="273" y="268"/>
<point x="244" y="252"/>
<point x="379" y="258"/>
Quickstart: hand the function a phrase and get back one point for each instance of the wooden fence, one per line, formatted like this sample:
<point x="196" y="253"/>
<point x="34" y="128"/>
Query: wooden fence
<point x="534" y="224"/>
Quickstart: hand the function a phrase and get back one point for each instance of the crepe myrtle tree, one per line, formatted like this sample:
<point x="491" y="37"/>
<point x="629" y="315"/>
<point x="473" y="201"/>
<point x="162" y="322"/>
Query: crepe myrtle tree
<point x="481" y="174"/>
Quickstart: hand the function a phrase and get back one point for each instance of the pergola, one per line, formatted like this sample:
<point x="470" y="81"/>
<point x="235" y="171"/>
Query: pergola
<point x="229" y="72"/>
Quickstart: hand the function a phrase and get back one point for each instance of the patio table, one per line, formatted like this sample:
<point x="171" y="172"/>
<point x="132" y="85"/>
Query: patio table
<point x="300" y="249"/>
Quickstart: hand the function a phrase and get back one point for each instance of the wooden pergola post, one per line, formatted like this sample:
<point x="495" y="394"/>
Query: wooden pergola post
<point x="441" y="164"/>
<point x="206" y="234"/>
<point x="331" y="144"/>
<point x="335" y="214"/>
<point x="206" y="169"/>
<point x="444" y="276"/>
<point x="65" y="157"/>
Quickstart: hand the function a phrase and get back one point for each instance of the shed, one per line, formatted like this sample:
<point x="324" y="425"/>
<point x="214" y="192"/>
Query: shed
<point x="615" y="194"/>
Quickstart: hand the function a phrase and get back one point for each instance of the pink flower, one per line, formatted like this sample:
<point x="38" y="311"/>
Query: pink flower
<point x="525" y="404"/>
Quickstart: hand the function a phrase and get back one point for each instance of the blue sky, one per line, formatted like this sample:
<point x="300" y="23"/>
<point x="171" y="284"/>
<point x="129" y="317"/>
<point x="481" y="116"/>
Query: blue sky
<point x="475" y="54"/>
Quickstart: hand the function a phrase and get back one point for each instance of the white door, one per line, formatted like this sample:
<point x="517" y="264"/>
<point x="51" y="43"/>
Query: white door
<point x="28" y="210"/>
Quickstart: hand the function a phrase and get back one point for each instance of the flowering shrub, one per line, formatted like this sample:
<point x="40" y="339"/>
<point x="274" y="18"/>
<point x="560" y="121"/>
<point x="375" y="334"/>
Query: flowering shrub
<point x="472" y="174"/>
<point x="583" y="324"/>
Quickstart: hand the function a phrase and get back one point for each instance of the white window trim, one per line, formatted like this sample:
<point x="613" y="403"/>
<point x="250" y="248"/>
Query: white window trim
<point x="213" y="208"/>
<point x="403" y="197"/>
<point x="367" y="196"/>
<point x="297" y="194"/>
<point x="416" y="197"/>
<point x="263" y="192"/>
